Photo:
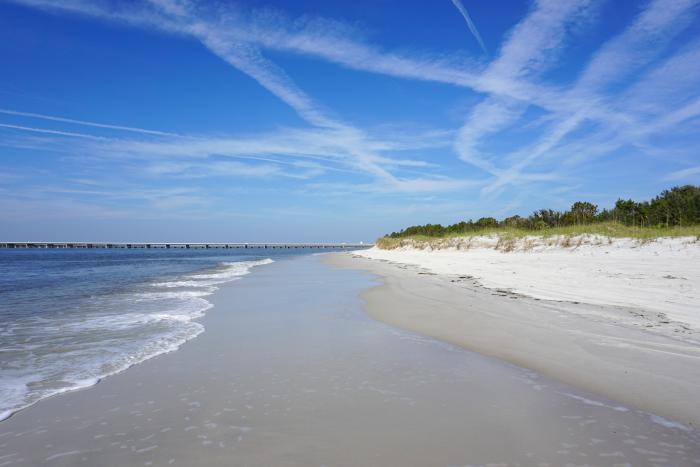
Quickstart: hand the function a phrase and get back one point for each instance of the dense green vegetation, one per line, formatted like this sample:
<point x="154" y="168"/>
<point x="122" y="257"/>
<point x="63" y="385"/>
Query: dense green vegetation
<point x="673" y="212"/>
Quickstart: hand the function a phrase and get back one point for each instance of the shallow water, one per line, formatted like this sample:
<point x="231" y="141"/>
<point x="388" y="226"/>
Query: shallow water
<point x="291" y="372"/>
<point x="69" y="317"/>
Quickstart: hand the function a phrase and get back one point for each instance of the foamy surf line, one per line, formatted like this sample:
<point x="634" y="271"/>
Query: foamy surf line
<point x="142" y="324"/>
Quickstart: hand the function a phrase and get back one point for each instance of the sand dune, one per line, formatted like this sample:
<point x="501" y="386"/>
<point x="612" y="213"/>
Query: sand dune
<point x="661" y="278"/>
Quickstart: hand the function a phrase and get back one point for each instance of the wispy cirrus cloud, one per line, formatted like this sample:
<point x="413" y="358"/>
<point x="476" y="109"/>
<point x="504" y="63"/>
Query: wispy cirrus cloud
<point x="632" y="87"/>
<point x="241" y="50"/>
<point x="294" y="153"/>
<point x="528" y="50"/>
<point x="637" y="46"/>
<point x="49" y="131"/>
<point x="189" y="19"/>
<point x="683" y="174"/>
<point x="54" y="118"/>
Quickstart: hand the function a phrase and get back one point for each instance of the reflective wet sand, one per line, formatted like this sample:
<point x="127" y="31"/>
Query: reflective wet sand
<point x="290" y="371"/>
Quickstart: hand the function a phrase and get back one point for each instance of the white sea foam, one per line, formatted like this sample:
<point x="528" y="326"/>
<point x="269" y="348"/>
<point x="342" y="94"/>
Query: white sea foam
<point x="668" y="423"/>
<point x="65" y="353"/>
<point x="232" y="270"/>
<point x="617" y="408"/>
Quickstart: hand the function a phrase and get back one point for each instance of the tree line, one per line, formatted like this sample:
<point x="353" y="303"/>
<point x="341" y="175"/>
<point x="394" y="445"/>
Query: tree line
<point x="679" y="206"/>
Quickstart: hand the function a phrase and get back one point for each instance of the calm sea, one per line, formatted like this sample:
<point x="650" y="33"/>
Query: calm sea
<point x="71" y="317"/>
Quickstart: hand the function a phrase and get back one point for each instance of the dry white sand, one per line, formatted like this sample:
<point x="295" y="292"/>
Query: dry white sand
<point x="660" y="277"/>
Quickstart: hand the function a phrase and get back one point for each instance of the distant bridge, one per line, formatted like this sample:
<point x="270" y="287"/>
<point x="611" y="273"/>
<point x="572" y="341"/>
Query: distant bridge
<point x="169" y="245"/>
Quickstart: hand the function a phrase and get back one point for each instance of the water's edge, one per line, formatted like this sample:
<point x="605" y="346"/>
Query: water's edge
<point x="162" y="329"/>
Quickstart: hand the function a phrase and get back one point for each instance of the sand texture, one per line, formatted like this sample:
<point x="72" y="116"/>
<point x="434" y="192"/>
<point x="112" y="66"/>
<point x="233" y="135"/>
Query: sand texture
<point x="616" y="352"/>
<point x="660" y="278"/>
<point x="290" y="372"/>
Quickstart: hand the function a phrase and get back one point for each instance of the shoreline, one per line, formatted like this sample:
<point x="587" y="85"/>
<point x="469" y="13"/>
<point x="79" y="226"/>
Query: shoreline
<point x="215" y="277"/>
<point x="601" y="349"/>
<point x="303" y="377"/>
<point x="92" y="383"/>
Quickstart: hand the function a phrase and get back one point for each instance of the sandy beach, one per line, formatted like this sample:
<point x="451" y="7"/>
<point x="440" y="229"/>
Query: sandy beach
<point x="280" y="233"/>
<point x="290" y="371"/>
<point x="593" y="337"/>
<point x="659" y="278"/>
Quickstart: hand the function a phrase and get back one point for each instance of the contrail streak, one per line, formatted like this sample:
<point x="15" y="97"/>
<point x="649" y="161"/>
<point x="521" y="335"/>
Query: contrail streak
<point x="50" y="132"/>
<point x="83" y="122"/>
<point x="470" y="24"/>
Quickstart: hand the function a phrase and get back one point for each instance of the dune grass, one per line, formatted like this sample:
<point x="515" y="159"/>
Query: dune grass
<point x="608" y="229"/>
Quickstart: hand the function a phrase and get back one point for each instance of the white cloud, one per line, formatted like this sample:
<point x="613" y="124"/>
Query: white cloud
<point x="49" y="132"/>
<point x="84" y="123"/>
<point x="512" y="84"/>
<point x="639" y="44"/>
<point x="470" y="24"/>
<point x="528" y="50"/>
<point x="684" y="174"/>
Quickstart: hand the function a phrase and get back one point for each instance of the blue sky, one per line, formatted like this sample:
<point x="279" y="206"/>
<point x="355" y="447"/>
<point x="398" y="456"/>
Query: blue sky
<point x="317" y="120"/>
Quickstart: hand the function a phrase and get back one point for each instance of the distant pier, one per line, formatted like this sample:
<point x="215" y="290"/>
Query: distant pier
<point x="169" y="245"/>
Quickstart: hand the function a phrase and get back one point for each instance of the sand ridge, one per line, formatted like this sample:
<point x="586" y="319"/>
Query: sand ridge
<point x="658" y="277"/>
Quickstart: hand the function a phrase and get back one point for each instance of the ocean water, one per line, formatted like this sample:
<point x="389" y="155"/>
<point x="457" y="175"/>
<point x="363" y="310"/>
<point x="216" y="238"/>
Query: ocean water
<point x="70" y="317"/>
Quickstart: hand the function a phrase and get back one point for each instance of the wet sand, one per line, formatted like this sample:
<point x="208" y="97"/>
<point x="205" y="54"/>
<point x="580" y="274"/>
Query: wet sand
<point x="290" y="371"/>
<point x="619" y="353"/>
